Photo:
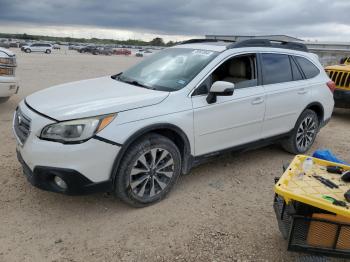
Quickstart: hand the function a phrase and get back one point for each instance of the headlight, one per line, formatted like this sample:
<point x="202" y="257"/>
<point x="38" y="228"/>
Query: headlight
<point x="76" y="131"/>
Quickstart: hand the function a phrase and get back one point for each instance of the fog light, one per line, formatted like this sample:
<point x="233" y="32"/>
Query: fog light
<point x="60" y="182"/>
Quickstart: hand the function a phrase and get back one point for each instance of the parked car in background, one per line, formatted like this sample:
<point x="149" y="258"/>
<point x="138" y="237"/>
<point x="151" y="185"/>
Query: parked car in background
<point x="14" y="45"/>
<point x="122" y="51"/>
<point x="87" y="49"/>
<point x="340" y="74"/>
<point x="37" y="47"/>
<point x="23" y="44"/>
<point x="102" y="51"/>
<point x="142" y="53"/>
<point x="8" y="83"/>
<point x="5" y="44"/>
<point x="56" y="46"/>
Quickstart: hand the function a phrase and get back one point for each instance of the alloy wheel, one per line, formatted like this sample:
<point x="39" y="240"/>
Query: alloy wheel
<point x="151" y="173"/>
<point x="306" y="134"/>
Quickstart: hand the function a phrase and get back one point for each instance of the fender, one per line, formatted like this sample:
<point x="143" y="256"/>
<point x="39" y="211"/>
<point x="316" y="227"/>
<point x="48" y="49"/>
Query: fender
<point x="318" y="105"/>
<point x="186" y="154"/>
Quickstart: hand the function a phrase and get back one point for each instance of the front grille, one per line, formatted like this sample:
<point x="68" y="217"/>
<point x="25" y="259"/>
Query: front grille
<point x="21" y="126"/>
<point x="7" y="71"/>
<point x="340" y="78"/>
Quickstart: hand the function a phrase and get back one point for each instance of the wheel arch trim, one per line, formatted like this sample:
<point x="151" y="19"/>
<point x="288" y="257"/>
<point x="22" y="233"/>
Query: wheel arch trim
<point x="186" y="154"/>
<point x="320" y="106"/>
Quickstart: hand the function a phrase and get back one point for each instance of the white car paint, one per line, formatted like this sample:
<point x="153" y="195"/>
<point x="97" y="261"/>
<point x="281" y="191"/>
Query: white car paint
<point x="248" y="115"/>
<point x="8" y="83"/>
<point x="101" y="95"/>
<point x="37" y="47"/>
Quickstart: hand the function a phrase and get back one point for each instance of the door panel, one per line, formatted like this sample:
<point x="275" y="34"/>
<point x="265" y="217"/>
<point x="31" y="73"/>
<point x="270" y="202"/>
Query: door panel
<point x="284" y="96"/>
<point x="231" y="121"/>
<point x="283" y="104"/>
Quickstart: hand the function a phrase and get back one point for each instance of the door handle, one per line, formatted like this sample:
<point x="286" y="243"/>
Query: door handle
<point x="302" y="91"/>
<point x="257" y="101"/>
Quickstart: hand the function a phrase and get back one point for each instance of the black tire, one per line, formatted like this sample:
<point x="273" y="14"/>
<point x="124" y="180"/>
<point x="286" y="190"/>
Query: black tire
<point x="125" y="183"/>
<point x="48" y="51"/>
<point x="4" y="99"/>
<point x="28" y="50"/>
<point x="303" y="134"/>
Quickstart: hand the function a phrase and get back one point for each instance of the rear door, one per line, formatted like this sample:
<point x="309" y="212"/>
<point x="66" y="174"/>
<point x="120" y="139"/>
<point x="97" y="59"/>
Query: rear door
<point x="285" y="93"/>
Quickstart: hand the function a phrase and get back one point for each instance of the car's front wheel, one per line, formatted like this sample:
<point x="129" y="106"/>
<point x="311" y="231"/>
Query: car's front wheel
<point x="28" y="50"/>
<point x="148" y="171"/>
<point x="48" y="51"/>
<point x="303" y="134"/>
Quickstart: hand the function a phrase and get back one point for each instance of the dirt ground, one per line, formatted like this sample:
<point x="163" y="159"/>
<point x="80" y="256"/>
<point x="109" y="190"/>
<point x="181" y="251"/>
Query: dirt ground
<point x="221" y="211"/>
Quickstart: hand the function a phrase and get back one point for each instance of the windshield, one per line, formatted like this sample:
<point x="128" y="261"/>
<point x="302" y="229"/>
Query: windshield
<point x="168" y="70"/>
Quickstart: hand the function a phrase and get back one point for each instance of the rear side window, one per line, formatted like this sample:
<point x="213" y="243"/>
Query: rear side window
<point x="276" y="68"/>
<point x="309" y="69"/>
<point x="295" y="70"/>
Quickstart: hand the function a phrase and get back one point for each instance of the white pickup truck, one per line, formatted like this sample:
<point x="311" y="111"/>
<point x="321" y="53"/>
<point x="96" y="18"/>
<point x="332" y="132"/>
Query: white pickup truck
<point x="8" y="82"/>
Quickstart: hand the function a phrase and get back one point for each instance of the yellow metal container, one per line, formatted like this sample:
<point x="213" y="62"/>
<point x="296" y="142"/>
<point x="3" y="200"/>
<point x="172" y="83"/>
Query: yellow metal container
<point x="303" y="187"/>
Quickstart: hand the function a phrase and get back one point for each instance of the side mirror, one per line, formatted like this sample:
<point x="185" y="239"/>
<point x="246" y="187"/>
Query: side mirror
<point x="220" y="88"/>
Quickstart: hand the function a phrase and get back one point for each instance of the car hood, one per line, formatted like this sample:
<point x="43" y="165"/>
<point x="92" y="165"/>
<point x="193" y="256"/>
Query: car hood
<point x="6" y="52"/>
<point x="92" y="97"/>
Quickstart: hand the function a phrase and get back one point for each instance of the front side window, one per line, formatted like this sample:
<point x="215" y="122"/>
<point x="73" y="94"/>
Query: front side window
<point x="309" y="69"/>
<point x="276" y="69"/>
<point x="168" y="70"/>
<point x="239" y="70"/>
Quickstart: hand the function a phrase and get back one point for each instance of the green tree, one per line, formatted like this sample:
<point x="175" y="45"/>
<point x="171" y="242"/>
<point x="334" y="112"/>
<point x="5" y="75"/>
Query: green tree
<point x="157" y="42"/>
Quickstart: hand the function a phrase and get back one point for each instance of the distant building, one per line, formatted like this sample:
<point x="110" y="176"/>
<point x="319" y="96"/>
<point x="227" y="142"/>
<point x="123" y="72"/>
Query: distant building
<point x="328" y="52"/>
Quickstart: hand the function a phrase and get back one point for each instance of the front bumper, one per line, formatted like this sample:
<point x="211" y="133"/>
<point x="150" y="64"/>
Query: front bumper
<point x="8" y="89"/>
<point x="43" y="177"/>
<point x="342" y="98"/>
<point x="85" y="167"/>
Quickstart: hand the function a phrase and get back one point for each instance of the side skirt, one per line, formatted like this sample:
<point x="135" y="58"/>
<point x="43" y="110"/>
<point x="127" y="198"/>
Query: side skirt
<point x="197" y="160"/>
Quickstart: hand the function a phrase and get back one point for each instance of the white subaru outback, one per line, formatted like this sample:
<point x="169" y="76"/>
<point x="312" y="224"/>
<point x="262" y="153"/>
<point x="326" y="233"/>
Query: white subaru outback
<point x="134" y="133"/>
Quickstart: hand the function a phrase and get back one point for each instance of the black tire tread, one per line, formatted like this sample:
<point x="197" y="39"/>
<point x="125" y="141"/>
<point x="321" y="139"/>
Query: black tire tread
<point x="289" y="143"/>
<point x="145" y="141"/>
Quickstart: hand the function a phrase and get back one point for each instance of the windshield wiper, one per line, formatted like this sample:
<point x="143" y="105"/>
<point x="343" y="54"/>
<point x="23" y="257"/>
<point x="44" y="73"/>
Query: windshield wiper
<point x="132" y="82"/>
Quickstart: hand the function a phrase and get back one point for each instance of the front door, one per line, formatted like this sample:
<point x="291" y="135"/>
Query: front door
<point x="231" y="120"/>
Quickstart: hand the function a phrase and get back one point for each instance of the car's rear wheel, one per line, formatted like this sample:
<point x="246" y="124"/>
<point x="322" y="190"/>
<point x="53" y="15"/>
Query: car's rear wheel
<point x="4" y="99"/>
<point x="148" y="171"/>
<point x="303" y="134"/>
<point x="28" y="50"/>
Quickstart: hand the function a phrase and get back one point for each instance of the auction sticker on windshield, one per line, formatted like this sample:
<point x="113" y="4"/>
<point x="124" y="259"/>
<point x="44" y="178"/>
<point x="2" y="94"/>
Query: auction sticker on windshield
<point x="202" y="52"/>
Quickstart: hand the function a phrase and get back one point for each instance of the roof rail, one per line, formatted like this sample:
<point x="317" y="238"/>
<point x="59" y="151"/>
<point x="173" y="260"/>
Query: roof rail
<point x="195" y="41"/>
<point x="269" y="43"/>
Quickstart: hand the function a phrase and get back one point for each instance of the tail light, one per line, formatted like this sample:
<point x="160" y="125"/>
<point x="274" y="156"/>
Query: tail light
<point x="331" y="85"/>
